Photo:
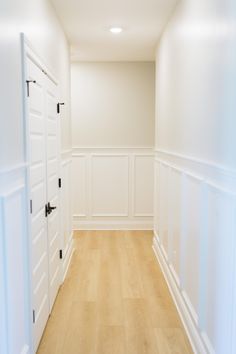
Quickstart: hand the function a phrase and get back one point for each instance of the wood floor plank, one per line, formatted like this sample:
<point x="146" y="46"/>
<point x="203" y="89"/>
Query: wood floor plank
<point x="81" y="333"/>
<point x="141" y="340"/>
<point x="163" y="313"/>
<point x="111" y="340"/>
<point x="152" y="280"/>
<point x="172" y="341"/>
<point x="53" y="338"/>
<point x="114" y="300"/>
<point x="88" y="276"/>
<point x="130" y="276"/>
<point x="137" y="313"/>
<point x="111" y="239"/>
<point x="110" y="305"/>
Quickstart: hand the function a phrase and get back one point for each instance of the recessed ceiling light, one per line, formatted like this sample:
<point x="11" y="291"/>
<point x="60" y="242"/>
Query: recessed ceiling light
<point x="116" y="30"/>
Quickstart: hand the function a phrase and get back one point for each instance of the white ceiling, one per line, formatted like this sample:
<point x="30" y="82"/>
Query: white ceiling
<point x="86" y="23"/>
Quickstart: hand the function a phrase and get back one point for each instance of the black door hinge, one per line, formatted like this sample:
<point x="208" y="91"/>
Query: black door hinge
<point x="60" y="254"/>
<point x="58" y="106"/>
<point x="59" y="182"/>
<point x="33" y="316"/>
<point x="27" y="83"/>
<point x="31" y="206"/>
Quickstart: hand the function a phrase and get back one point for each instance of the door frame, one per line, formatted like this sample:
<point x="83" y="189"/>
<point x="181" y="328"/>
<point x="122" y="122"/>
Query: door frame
<point x="28" y="51"/>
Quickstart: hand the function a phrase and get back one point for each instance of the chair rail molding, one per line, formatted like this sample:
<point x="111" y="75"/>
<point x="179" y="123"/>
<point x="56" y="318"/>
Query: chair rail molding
<point x="209" y="169"/>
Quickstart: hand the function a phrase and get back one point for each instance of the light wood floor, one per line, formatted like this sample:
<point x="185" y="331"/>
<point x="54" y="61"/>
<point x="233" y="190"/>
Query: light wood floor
<point x="114" y="300"/>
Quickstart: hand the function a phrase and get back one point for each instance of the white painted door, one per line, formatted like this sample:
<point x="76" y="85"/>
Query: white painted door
<point x="44" y="194"/>
<point x="38" y="197"/>
<point x="52" y="135"/>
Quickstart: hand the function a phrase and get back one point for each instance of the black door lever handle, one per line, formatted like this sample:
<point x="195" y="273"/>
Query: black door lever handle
<point x="49" y="209"/>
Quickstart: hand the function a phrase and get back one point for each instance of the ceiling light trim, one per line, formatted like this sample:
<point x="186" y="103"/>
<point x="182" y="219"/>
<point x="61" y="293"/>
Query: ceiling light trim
<point x="116" y="29"/>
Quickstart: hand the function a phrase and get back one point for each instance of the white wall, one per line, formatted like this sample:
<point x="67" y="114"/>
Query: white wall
<point x="38" y="21"/>
<point x="113" y="137"/>
<point x="195" y="168"/>
<point x="196" y="80"/>
<point x="113" y="104"/>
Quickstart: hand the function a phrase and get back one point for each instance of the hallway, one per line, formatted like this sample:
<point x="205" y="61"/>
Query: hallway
<point x="114" y="300"/>
<point x="118" y="115"/>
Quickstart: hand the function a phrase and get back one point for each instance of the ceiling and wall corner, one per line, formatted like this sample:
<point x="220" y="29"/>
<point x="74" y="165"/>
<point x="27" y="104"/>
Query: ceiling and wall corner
<point x="87" y="23"/>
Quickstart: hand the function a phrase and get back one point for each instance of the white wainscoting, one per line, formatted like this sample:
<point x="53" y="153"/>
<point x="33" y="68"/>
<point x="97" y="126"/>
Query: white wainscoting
<point x="15" y="305"/>
<point x="195" y="243"/>
<point x="14" y="263"/>
<point x="66" y="211"/>
<point x="113" y="188"/>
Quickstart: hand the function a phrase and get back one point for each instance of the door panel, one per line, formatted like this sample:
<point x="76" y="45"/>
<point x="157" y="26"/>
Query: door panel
<point x="44" y="155"/>
<point x="37" y="152"/>
<point x="52" y="189"/>
<point x="37" y="223"/>
<point x="38" y="188"/>
<point x="37" y="173"/>
<point x="37" y="281"/>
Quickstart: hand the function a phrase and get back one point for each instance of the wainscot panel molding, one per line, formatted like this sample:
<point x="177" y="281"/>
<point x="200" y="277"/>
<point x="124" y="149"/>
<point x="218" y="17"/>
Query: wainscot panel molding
<point x="194" y="226"/>
<point x="67" y="245"/>
<point x="14" y="322"/>
<point x="112" y="187"/>
<point x="191" y="330"/>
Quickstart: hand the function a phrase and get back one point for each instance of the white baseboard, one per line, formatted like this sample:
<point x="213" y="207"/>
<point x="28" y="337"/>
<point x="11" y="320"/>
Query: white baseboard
<point x="112" y="225"/>
<point x="197" y="342"/>
<point x="67" y="259"/>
